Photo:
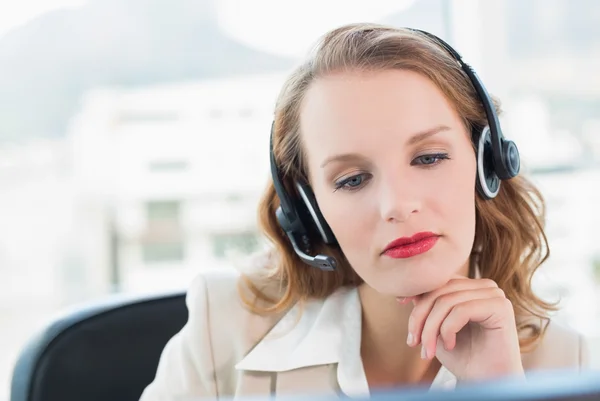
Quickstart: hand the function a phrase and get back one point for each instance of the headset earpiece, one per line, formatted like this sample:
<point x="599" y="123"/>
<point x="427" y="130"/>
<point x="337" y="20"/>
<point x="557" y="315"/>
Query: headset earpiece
<point x="310" y="203"/>
<point x="487" y="182"/>
<point x="512" y="160"/>
<point x="293" y="216"/>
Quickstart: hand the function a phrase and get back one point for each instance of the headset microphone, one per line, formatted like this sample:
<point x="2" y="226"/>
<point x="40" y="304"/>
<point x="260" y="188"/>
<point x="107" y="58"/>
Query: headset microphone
<point x="322" y="262"/>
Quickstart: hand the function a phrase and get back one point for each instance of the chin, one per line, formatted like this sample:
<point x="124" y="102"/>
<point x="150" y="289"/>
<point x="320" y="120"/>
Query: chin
<point x="412" y="282"/>
<point x="414" y="276"/>
<point x="415" y="289"/>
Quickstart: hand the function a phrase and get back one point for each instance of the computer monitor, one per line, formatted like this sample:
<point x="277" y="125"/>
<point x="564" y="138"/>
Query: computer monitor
<point x="541" y="386"/>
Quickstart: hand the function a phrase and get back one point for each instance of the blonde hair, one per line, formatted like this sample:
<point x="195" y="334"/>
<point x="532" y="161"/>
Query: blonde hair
<point x="510" y="243"/>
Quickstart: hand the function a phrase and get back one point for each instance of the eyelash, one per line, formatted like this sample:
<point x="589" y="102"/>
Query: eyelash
<point x="439" y="157"/>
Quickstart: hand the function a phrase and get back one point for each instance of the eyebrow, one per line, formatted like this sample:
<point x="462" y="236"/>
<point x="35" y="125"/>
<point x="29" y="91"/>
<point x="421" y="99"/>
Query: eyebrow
<point x="423" y="135"/>
<point x="413" y="140"/>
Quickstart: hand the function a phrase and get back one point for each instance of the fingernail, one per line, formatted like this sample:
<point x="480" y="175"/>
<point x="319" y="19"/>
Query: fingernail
<point x="423" y="353"/>
<point x="400" y="300"/>
<point x="409" y="339"/>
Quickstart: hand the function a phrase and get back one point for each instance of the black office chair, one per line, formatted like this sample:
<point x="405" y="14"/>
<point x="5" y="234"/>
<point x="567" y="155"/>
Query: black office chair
<point x="102" y="352"/>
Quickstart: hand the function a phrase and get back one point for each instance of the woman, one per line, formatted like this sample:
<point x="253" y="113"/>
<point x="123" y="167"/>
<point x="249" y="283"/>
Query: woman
<point x="413" y="269"/>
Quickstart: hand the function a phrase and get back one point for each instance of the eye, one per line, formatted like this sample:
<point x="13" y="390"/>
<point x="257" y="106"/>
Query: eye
<point x="430" y="160"/>
<point x="352" y="183"/>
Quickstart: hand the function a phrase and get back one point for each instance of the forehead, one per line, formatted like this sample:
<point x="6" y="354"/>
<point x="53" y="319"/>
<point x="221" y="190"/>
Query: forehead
<point x="345" y="109"/>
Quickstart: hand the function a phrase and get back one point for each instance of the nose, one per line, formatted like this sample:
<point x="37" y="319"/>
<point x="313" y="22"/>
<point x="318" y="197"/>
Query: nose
<point x="398" y="201"/>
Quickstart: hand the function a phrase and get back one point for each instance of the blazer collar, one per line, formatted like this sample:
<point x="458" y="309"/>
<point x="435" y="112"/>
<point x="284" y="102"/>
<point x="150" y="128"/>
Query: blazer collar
<point x="319" y="333"/>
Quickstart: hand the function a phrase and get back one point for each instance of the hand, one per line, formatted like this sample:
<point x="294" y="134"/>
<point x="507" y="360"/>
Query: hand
<point x="469" y="325"/>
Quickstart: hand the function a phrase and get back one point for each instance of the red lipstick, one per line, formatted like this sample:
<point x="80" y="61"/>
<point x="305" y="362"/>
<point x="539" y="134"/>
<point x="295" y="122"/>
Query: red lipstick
<point x="407" y="247"/>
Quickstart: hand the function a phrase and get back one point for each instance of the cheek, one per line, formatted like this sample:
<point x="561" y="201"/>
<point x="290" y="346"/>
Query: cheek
<point x="350" y="217"/>
<point x="455" y="202"/>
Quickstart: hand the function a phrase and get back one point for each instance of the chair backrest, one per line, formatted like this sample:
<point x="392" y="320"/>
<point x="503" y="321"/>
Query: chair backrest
<point x="106" y="351"/>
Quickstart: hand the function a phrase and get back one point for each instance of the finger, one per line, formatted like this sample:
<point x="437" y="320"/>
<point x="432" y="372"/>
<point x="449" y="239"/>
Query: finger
<point x="491" y="313"/>
<point x="440" y="310"/>
<point x="424" y="303"/>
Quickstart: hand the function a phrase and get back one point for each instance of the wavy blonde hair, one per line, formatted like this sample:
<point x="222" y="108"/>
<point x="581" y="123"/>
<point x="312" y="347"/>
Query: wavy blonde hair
<point x="510" y="243"/>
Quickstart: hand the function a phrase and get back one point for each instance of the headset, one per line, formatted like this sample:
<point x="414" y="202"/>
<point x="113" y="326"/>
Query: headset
<point x="497" y="159"/>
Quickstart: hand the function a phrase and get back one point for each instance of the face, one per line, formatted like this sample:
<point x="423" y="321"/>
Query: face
<point x="389" y="158"/>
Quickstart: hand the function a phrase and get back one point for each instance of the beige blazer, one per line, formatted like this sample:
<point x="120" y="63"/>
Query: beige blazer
<point x="226" y="351"/>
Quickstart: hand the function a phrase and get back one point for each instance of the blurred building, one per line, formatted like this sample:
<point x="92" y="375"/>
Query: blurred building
<point x="168" y="178"/>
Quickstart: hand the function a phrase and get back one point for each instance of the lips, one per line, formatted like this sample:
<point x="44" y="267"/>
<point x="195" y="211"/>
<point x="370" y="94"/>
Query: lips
<point x="407" y="247"/>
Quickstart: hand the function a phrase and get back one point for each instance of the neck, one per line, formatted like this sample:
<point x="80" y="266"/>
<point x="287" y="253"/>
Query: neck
<point x="387" y="359"/>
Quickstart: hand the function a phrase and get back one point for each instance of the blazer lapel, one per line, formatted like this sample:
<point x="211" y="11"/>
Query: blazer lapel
<point x="305" y="348"/>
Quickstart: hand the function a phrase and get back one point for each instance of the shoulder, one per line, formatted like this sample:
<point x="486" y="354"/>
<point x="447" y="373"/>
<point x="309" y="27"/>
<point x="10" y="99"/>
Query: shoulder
<point x="199" y="361"/>
<point x="560" y="347"/>
<point x="224" y="290"/>
<point x="216" y="306"/>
